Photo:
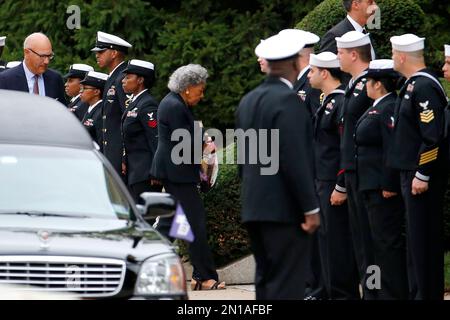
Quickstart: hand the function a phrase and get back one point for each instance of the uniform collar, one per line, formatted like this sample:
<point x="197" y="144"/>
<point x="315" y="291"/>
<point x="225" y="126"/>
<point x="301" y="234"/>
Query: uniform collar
<point x="136" y="96"/>
<point x="287" y="82"/>
<point x="381" y="98"/>
<point x="116" y="68"/>
<point x="355" y="80"/>
<point x="75" y="98"/>
<point x="304" y="70"/>
<point x="94" y="105"/>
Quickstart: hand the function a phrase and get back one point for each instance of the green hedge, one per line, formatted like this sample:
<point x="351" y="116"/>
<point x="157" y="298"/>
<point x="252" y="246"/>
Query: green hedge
<point x="227" y="237"/>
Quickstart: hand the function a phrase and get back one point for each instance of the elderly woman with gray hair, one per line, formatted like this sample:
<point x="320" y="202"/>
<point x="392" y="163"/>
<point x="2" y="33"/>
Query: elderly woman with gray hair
<point x="186" y="86"/>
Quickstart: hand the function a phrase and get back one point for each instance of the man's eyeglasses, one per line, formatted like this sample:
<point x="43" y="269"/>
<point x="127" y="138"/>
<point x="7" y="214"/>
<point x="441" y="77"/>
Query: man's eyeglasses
<point x="87" y="88"/>
<point x="43" y="56"/>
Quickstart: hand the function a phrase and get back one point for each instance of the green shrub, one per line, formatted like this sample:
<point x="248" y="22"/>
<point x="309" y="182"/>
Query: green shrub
<point x="227" y="236"/>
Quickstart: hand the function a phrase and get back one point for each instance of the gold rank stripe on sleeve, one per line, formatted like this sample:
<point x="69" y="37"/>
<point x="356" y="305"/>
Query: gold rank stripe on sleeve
<point x="428" y="156"/>
<point x="427" y="116"/>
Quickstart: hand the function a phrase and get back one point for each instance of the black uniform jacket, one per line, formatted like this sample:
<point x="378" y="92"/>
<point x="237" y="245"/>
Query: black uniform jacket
<point x="419" y="125"/>
<point x="15" y="79"/>
<point x="309" y="95"/>
<point x="289" y="193"/>
<point x="173" y="114"/>
<point x="373" y="139"/>
<point x="327" y="138"/>
<point x="356" y="102"/>
<point x="140" y="137"/>
<point x="78" y="107"/>
<point x="114" y="99"/>
<point x="92" y="121"/>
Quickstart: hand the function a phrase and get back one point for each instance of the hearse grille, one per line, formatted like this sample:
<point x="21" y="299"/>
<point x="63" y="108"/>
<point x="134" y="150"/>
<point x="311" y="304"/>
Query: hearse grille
<point x="88" y="277"/>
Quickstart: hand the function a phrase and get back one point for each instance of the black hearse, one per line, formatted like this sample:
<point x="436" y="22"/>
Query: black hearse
<point x="67" y="222"/>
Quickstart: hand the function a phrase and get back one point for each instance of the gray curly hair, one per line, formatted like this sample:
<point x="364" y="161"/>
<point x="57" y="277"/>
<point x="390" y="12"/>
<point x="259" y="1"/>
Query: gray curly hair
<point x="186" y="76"/>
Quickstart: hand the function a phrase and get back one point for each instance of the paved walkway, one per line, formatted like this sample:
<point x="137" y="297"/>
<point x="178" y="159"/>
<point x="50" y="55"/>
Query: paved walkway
<point x="234" y="292"/>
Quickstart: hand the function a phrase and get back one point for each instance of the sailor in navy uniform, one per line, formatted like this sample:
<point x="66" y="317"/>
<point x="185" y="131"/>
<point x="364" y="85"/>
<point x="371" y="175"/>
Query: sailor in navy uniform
<point x="354" y="56"/>
<point x="335" y="243"/>
<point x="380" y="184"/>
<point x="77" y="72"/>
<point x="12" y="64"/>
<point x="420" y="151"/>
<point x="446" y="66"/>
<point x="92" y="87"/>
<point x="446" y="70"/>
<point x="279" y="208"/>
<point x="140" y="128"/>
<point x="309" y="95"/>
<point x="110" y="52"/>
<point x="2" y="46"/>
<point x="315" y="287"/>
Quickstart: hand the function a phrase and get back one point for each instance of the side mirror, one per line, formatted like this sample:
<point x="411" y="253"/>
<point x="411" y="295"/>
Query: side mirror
<point x="157" y="204"/>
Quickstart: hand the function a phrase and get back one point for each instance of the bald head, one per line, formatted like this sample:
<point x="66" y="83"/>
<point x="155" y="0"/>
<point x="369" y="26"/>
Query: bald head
<point x="36" y="39"/>
<point x="38" y="52"/>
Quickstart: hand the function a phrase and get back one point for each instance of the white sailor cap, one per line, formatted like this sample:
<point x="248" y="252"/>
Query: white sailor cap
<point x="95" y="79"/>
<point x="382" y="68"/>
<point x="141" y="68"/>
<point x="447" y="50"/>
<point x="309" y="38"/>
<point x="108" y="41"/>
<point x="278" y="48"/>
<point x="353" y="39"/>
<point x="78" y="70"/>
<point x="2" y="41"/>
<point x="324" y="59"/>
<point x="407" y="43"/>
<point x="12" y="64"/>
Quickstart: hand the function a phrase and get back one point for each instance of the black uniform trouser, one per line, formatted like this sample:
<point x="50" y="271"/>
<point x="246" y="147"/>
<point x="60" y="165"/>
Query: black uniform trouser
<point x="315" y="282"/>
<point x="136" y="189"/>
<point x="360" y="230"/>
<point x="386" y="218"/>
<point x="338" y="261"/>
<point x="424" y="231"/>
<point x="280" y="253"/>
<point x="200" y="254"/>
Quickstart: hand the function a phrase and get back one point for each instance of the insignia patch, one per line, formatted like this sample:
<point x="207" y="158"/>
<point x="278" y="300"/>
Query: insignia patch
<point x="410" y="87"/>
<point x="152" y="123"/>
<point x="302" y="94"/>
<point x="111" y="91"/>
<point x="132" y="113"/>
<point x="88" y="123"/>
<point x="391" y="125"/>
<point x="360" y="86"/>
<point x="427" y="116"/>
<point x="424" y="105"/>
<point x="330" y="105"/>
<point x="428" y="156"/>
